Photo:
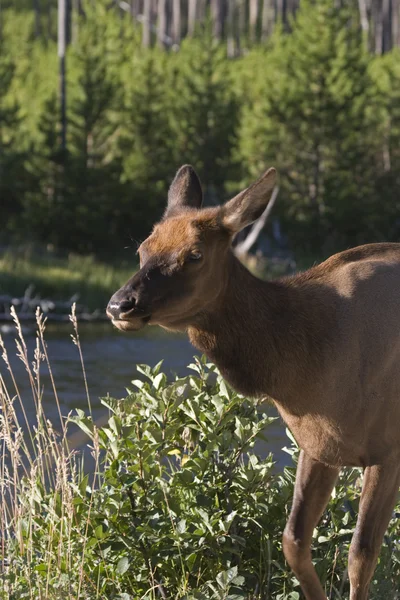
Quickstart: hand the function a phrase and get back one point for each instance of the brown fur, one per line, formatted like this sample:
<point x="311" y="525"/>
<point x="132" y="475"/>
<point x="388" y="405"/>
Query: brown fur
<point x="323" y="345"/>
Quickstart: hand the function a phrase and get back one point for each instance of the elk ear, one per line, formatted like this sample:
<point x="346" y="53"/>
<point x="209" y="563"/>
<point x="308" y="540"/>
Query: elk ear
<point x="185" y="191"/>
<point x="246" y="207"/>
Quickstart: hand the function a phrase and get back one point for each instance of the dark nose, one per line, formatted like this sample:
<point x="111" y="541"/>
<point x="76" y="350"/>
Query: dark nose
<point x="118" y="306"/>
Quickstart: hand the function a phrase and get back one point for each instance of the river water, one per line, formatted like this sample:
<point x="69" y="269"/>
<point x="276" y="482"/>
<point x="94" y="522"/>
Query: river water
<point x="110" y="358"/>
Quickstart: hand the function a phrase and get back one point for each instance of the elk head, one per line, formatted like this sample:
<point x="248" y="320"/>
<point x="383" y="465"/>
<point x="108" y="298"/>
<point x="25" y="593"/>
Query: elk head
<point x="184" y="263"/>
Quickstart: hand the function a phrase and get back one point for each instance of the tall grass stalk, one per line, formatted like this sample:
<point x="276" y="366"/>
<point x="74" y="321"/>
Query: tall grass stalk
<point x="77" y="342"/>
<point x="41" y="327"/>
<point x="38" y="481"/>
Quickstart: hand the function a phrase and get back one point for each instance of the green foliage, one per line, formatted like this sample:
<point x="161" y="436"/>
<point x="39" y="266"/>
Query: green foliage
<point x="90" y="178"/>
<point x="205" y="111"/>
<point x="145" y="143"/>
<point x="177" y="467"/>
<point x="178" y="504"/>
<point x="385" y="71"/>
<point x="311" y="101"/>
<point x="10" y="156"/>
<point x="78" y="187"/>
<point x="50" y="276"/>
<point x="311" y="113"/>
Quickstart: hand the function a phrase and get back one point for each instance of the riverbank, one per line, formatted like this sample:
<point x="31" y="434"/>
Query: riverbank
<point x="39" y="277"/>
<point x="30" y="278"/>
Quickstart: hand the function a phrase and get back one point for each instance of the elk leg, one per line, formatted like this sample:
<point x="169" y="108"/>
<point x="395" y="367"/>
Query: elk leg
<point x="380" y="488"/>
<point x="314" y="484"/>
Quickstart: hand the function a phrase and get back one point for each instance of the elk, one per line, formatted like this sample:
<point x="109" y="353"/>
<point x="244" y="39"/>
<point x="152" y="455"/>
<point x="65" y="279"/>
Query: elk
<point x="324" y="345"/>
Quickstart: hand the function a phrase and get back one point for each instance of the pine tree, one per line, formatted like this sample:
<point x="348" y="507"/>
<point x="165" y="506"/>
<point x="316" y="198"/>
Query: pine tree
<point x="309" y="114"/>
<point x="204" y="111"/>
<point x="43" y="202"/>
<point x="91" y="176"/>
<point x="386" y="74"/>
<point x="12" y="169"/>
<point x="145" y="142"/>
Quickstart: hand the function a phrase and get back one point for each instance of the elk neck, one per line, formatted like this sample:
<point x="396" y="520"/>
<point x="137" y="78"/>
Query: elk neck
<point x="266" y="337"/>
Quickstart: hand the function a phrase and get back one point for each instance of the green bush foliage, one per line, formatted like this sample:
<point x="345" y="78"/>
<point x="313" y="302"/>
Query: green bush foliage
<point x="310" y="100"/>
<point x="176" y="502"/>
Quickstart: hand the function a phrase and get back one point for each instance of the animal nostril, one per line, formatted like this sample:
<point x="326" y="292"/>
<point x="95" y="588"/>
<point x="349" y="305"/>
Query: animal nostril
<point x="127" y="305"/>
<point x="117" y="307"/>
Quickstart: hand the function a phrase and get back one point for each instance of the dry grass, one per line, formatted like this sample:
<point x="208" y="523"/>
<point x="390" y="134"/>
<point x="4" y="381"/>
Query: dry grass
<point x="39" y="476"/>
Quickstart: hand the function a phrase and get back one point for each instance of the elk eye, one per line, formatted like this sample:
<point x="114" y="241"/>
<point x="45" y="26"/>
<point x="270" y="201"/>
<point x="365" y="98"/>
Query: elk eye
<point x="195" y="255"/>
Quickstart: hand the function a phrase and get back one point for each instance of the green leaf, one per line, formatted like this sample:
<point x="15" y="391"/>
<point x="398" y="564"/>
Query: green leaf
<point x="239" y="580"/>
<point x="115" y="424"/>
<point x="174" y="452"/>
<point x="98" y="532"/>
<point x="122" y="565"/>
<point x="85" y="424"/>
<point x="138" y="383"/>
<point x="42" y="568"/>
<point x="223" y="389"/>
<point x="181" y="527"/>
<point x="225" y="577"/>
<point x="83" y="485"/>
<point x="158" y="380"/>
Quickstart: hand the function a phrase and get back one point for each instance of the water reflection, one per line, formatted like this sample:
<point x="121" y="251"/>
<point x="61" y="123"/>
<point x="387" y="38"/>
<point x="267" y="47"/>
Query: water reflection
<point x="110" y="358"/>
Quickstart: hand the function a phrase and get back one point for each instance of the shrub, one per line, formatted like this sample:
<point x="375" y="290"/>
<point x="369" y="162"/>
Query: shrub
<point x="176" y="505"/>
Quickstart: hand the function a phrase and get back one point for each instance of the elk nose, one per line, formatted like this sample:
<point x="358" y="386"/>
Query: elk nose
<point x="118" y="307"/>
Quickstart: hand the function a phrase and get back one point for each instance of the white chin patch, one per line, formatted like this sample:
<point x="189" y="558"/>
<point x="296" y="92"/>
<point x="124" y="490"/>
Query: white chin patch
<point x="133" y="325"/>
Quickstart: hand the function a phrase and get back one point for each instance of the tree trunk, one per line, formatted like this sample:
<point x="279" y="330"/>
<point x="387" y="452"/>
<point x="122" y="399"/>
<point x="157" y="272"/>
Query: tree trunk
<point x="253" y="18"/>
<point x="202" y="6"/>
<point x="241" y="21"/>
<point x="192" y="14"/>
<point x="377" y="17"/>
<point x="176" y="21"/>
<point x="168" y="21"/>
<point x="362" y="7"/>
<point x="395" y="23"/>
<point x="291" y="7"/>
<point x="267" y="24"/>
<point x="230" y="23"/>
<point x="162" y="22"/>
<point x="62" y="34"/>
<point x="134" y="9"/>
<point x="281" y="11"/>
<point x="146" y="39"/>
<point x="386" y="25"/>
<point x="218" y="18"/>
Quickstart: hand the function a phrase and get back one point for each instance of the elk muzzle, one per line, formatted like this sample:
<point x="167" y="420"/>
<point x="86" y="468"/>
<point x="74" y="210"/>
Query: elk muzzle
<point x="125" y="311"/>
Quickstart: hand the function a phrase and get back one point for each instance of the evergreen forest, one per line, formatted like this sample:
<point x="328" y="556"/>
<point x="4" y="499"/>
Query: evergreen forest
<point x="90" y="140"/>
